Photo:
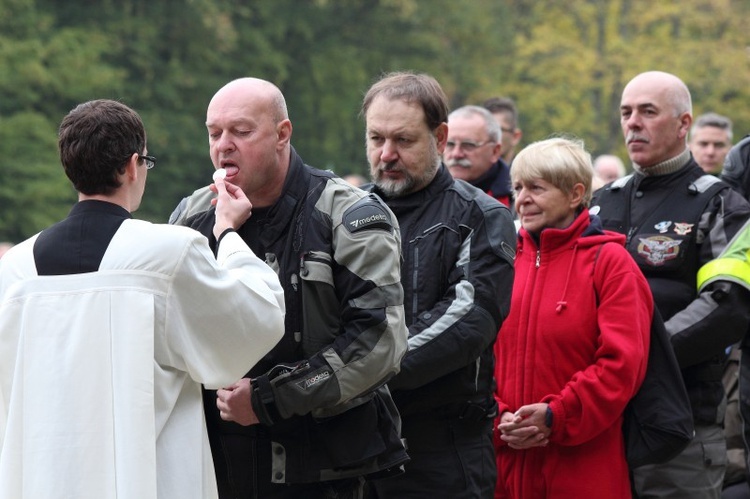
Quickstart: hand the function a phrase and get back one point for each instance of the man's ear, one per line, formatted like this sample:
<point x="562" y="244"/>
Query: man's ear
<point x="441" y="135"/>
<point x="685" y="121"/>
<point x="283" y="132"/>
<point x="131" y="167"/>
<point x="517" y="134"/>
<point x="497" y="151"/>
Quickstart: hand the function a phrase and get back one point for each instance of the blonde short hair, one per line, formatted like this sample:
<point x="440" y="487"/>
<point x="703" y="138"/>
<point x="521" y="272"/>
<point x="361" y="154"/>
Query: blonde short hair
<point x="563" y="162"/>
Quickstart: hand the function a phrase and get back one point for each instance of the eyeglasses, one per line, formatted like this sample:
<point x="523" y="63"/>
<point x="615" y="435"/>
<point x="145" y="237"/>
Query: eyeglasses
<point x="466" y="145"/>
<point x="150" y="161"/>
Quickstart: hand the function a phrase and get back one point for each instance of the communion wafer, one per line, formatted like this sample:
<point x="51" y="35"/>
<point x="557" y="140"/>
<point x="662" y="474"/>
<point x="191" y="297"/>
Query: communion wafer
<point x="220" y="173"/>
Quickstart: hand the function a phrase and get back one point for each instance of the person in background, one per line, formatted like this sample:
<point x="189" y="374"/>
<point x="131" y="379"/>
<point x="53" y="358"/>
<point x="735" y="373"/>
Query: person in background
<point x="735" y="479"/>
<point x="472" y="152"/>
<point x="314" y="416"/>
<point x="710" y="141"/>
<point x="737" y="167"/>
<point x="355" y="179"/>
<point x="109" y="325"/>
<point x="457" y="272"/>
<point x="677" y="219"/>
<point x="734" y="264"/>
<point x="4" y="247"/>
<point x="569" y="357"/>
<point x="608" y="168"/>
<point x="505" y="111"/>
<point x="736" y="377"/>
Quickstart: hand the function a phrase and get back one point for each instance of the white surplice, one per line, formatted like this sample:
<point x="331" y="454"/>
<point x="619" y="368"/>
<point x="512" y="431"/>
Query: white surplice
<point x="100" y="372"/>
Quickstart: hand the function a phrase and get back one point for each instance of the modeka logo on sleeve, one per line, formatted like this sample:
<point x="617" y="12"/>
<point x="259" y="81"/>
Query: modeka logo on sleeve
<point x="364" y="221"/>
<point x="313" y="380"/>
<point x="366" y="215"/>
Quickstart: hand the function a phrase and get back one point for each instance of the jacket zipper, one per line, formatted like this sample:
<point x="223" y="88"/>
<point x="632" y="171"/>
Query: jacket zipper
<point x="630" y="234"/>
<point x="415" y="280"/>
<point x="538" y="258"/>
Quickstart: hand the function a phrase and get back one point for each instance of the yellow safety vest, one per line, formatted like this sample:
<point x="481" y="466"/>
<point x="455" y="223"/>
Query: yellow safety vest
<point x="733" y="264"/>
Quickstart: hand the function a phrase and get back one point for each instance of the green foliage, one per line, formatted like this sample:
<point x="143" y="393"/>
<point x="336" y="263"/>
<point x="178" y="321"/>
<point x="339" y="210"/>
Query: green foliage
<point x="34" y="191"/>
<point x="571" y="67"/>
<point x="565" y="63"/>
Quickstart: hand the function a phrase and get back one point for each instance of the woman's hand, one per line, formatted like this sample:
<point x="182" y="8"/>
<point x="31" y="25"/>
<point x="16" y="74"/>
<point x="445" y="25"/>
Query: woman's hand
<point x="526" y="428"/>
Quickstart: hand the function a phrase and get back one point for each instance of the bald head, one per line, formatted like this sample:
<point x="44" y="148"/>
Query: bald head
<point x="249" y="135"/>
<point x="260" y="91"/>
<point x="655" y="115"/>
<point x="609" y="168"/>
<point x="673" y="89"/>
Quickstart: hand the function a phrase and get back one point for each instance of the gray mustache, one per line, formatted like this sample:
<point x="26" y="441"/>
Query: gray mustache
<point x="463" y="163"/>
<point x="634" y="136"/>
<point x="388" y="167"/>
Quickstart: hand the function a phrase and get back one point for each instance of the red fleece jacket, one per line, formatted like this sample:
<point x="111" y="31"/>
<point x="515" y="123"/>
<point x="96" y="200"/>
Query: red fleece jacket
<point x="577" y="338"/>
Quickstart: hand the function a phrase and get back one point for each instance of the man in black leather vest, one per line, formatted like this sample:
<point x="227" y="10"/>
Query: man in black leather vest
<point x="677" y="219"/>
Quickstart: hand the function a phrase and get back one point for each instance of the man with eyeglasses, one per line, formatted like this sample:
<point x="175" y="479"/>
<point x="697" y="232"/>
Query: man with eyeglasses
<point x="472" y="152"/>
<point x="109" y="325"/>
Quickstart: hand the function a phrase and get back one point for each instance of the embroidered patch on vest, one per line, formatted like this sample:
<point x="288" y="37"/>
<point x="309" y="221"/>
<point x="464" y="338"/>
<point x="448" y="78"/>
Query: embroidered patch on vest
<point x="682" y="229"/>
<point x="663" y="227"/>
<point x="657" y="250"/>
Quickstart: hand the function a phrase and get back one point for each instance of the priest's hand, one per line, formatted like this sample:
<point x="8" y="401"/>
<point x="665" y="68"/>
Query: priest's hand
<point x="233" y="208"/>
<point x="234" y="403"/>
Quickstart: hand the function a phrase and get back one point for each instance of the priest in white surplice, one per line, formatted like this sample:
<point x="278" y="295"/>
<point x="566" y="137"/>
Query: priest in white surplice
<point x="109" y="326"/>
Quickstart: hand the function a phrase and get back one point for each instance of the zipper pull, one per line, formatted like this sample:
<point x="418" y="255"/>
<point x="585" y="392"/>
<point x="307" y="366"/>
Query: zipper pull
<point x="538" y="257"/>
<point x="631" y="232"/>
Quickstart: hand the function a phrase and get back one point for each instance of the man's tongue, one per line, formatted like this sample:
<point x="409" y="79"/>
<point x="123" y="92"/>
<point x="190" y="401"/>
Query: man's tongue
<point x="231" y="170"/>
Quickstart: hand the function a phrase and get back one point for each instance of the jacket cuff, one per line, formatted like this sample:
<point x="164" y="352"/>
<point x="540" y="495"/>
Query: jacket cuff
<point x="548" y="417"/>
<point x="556" y="408"/>
<point x="263" y="401"/>
<point x="226" y="231"/>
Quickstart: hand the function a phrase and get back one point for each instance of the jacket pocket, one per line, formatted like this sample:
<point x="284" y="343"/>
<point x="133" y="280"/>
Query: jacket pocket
<point x="320" y="323"/>
<point x="353" y="436"/>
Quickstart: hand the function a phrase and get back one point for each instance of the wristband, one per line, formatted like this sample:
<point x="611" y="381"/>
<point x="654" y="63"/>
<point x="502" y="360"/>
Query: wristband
<point x="548" y="417"/>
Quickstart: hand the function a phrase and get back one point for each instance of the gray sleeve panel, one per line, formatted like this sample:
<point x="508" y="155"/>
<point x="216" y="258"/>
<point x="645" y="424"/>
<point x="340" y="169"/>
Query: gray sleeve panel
<point x="455" y="331"/>
<point x="718" y="318"/>
<point x="197" y="202"/>
<point x="719" y="315"/>
<point x="370" y="340"/>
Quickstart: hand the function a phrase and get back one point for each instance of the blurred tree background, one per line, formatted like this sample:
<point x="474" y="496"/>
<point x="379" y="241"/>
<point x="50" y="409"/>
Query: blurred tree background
<point x="564" y="62"/>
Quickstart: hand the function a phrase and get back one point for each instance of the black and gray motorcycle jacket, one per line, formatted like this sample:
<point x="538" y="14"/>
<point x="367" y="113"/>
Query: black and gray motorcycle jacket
<point x="458" y="247"/>
<point x="320" y="394"/>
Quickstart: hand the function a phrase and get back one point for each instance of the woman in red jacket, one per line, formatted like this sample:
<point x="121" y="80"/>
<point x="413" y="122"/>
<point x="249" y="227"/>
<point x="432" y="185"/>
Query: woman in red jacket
<point x="574" y="347"/>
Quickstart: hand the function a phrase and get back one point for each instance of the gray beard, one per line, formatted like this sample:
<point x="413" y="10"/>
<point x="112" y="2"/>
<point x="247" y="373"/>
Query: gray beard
<point x="410" y="184"/>
<point x="396" y="188"/>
